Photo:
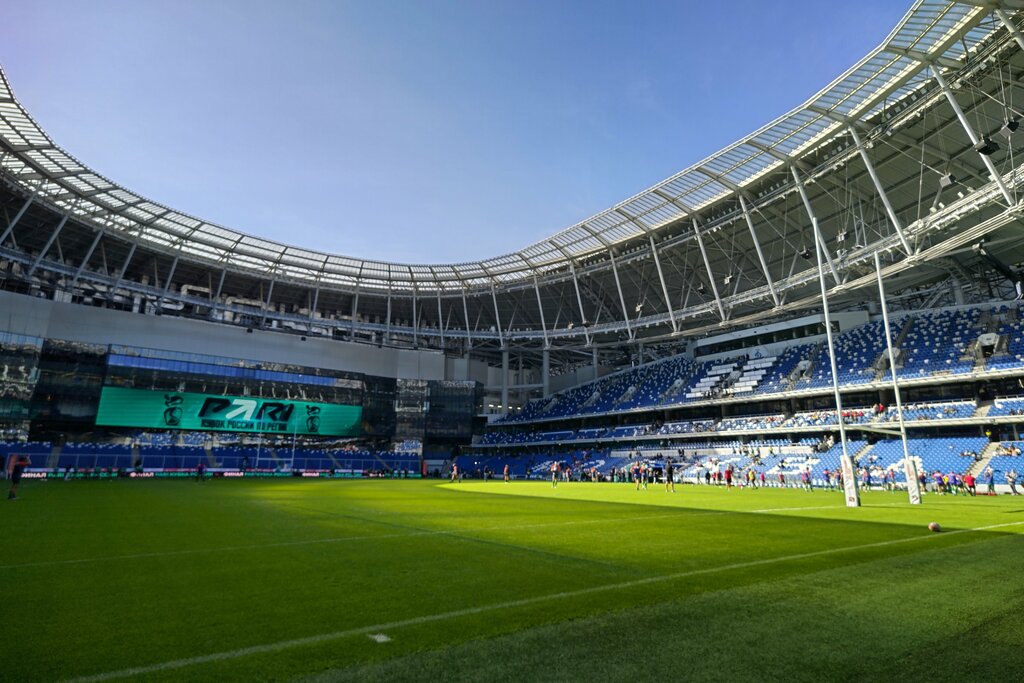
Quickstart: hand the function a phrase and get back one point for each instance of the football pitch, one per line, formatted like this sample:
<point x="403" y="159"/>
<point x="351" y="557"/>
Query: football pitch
<point x="374" y="580"/>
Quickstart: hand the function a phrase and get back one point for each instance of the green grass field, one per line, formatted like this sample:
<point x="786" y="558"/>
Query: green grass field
<point x="420" y="580"/>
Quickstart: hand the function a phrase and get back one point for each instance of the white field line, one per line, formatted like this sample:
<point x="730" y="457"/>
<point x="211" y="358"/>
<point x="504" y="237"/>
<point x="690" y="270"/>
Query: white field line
<point x="511" y="604"/>
<point x="404" y="534"/>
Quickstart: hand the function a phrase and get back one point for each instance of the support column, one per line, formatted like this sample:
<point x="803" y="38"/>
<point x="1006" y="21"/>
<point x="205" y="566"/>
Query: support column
<point x="1010" y="26"/>
<point x="579" y="301"/>
<point x="540" y="307"/>
<point x="545" y="365"/>
<point x="49" y="243"/>
<point x="497" y="317"/>
<point x="996" y="176"/>
<point x="504" y="381"/>
<point x="215" y="304"/>
<point x="849" y="475"/>
<point x="757" y="248"/>
<point x="17" y="217"/>
<point x="881" y="191"/>
<point x="355" y="311"/>
<point x="415" y="320"/>
<point x="88" y="255"/>
<point x="594" y="359"/>
<point x="440" y="317"/>
<point x="622" y="299"/>
<point x="909" y="467"/>
<point x="167" y="283"/>
<point x="465" y="313"/>
<point x="220" y="285"/>
<point x="664" y="288"/>
<point x="814" y="222"/>
<point x="707" y="267"/>
<point x="266" y="304"/>
<point x="120" y="275"/>
<point x="313" y="305"/>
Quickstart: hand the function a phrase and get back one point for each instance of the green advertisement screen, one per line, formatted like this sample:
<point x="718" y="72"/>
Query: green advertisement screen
<point x="120" y="407"/>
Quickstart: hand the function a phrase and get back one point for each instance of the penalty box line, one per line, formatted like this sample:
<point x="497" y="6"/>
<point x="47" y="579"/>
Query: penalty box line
<point x="409" y="534"/>
<point x="511" y="604"/>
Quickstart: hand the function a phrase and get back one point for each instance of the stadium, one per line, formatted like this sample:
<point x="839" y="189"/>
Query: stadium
<point x="699" y="434"/>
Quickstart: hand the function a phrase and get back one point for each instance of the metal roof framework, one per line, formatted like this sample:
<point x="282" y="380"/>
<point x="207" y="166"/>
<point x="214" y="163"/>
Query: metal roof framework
<point x="889" y="73"/>
<point x="715" y="245"/>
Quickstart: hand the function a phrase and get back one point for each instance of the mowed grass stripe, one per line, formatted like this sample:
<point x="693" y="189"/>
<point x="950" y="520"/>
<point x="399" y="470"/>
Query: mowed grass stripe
<point x="846" y="623"/>
<point x="511" y="604"/>
<point x="112" y="616"/>
<point x="404" y="535"/>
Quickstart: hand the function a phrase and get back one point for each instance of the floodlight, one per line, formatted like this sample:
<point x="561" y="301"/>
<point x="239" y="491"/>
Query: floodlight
<point x="987" y="146"/>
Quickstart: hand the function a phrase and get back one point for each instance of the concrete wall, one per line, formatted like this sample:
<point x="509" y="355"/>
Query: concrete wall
<point x="27" y="315"/>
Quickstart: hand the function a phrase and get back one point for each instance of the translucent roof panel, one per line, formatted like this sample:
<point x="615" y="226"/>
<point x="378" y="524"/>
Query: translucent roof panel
<point x="932" y="29"/>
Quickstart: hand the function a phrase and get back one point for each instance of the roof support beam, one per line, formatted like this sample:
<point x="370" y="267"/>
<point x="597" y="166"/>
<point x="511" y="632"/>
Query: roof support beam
<point x="465" y="314"/>
<point x="120" y="274"/>
<point x="88" y="255"/>
<point x="167" y="283"/>
<point x="622" y="299"/>
<point x="707" y="267"/>
<point x="579" y="300"/>
<point x="355" y="301"/>
<point x="1010" y="26"/>
<point x="540" y="307"/>
<point x="355" y="311"/>
<point x="415" y="315"/>
<point x="757" y="247"/>
<point x="266" y="304"/>
<point x="313" y="305"/>
<point x="497" y="317"/>
<point x="881" y="191"/>
<point x="17" y="217"/>
<point x="49" y="243"/>
<point x="664" y="287"/>
<point x="924" y="58"/>
<point x="440" y="314"/>
<point x="220" y="287"/>
<point x="814" y="221"/>
<point x="995" y="175"/>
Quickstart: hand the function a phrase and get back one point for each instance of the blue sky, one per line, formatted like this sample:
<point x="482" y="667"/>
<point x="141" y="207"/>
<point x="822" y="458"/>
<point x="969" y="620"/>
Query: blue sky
<point x="416" y="132"/>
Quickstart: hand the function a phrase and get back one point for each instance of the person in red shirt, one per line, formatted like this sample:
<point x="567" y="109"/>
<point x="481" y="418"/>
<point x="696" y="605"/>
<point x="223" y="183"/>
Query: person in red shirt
<point x="728" y="477"/>
<point x="506" y="473"/>
<point x="971" y="483"/>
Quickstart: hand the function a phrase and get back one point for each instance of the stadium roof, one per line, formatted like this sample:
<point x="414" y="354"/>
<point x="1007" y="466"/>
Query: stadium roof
<point x="933" y="32"/>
